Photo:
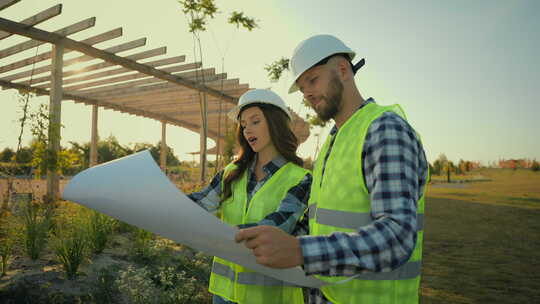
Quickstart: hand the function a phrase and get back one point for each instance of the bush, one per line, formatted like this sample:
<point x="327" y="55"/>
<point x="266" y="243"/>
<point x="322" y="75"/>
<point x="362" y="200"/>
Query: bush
<point x="70" y="246"/>
<point x="137" y="286"/>
<point x="123" y="227"/>
<point x="70" y="243"/>
<point x="104" y="289"/>
<point x="99" y="228"/>
<point x="178" y="287"/>
<point x="163" y="285"/>
<point x="535" y="166"/>
<point x="37" y="223"/>
<point x="8" y="236"/>
<point x="147" y="249"/>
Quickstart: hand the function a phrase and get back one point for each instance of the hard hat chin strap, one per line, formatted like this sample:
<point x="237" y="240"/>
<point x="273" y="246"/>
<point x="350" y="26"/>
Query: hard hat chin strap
<point x="358" y="65"/>
<point x="354" y="67"/>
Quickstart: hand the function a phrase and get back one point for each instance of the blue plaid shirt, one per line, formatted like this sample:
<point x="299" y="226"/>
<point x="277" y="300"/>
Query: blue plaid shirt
<point x="289" y="210"/>
<point x="395" y="170"/>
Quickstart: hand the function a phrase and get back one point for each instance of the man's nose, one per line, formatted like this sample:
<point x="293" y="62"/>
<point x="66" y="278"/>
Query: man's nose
<point x="308" y="96"/>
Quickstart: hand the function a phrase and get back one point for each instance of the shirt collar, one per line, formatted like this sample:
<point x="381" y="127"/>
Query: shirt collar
<point x="272" y="166"/>
<point x="369" y="100"/>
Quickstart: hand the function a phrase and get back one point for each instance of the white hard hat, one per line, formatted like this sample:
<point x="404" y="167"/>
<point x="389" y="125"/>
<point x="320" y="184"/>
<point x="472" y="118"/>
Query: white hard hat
<point x="258" y="96"/>
<point x="312" y="50"/>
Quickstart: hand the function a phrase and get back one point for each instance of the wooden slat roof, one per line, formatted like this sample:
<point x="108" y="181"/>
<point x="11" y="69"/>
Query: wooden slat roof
<point x="146" y="83"/>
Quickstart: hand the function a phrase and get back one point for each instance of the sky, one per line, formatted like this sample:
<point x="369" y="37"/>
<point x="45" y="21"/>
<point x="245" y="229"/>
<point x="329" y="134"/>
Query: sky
<point x="465" y="72"/>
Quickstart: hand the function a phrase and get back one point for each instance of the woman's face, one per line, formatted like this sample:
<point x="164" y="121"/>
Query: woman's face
<point x="255" y="129"/>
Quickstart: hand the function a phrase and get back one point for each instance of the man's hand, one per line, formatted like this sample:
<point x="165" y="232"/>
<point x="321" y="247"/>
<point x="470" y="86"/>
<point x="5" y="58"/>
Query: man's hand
<point x="272" y="246"/>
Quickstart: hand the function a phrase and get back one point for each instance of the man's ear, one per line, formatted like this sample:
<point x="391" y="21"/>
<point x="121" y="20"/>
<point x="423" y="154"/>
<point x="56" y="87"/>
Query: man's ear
<point x="343" y="68"/>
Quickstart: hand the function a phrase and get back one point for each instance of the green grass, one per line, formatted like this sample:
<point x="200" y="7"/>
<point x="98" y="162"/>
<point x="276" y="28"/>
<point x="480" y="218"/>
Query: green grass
<point x="517" y="188"/>
<point x="482" y="242"/>
<point x="477" y="253"/>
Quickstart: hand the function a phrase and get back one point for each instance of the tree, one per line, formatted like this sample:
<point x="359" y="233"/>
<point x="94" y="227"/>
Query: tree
<point x="448" y="169"/>
<point x="83" y="152"/>
<point x="228" y="149"/>
<point x="437" y="167"/>
<point x="24" y="155"/>
<point x="6" y="155"/>
<point x="110" y="149"/>
<point x="171" y="159"/>
<point x="276" y="68"/>
<point x="198" y="12"/>
<point x="442" y="163"/>
<point x="535" y="166"/>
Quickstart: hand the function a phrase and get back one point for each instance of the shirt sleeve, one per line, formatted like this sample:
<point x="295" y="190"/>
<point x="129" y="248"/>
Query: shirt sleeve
<point x="290" y="209"/>
<point x="209" y="197"/>
<point x="395" y="169"/>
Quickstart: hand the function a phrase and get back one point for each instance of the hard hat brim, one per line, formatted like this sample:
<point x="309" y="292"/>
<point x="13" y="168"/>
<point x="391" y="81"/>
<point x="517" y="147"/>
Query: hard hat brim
<point x="234" y="112"/>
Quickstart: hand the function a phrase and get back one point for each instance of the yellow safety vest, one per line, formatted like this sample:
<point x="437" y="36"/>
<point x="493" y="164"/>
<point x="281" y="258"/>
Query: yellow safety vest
<point x="342" y="203"/>
<point x="237" y="283"/>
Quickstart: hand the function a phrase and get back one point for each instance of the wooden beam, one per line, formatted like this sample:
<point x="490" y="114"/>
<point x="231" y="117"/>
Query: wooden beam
<point x="55" y="111"/>
<point x="115" y="49"/>
<point x="47" y="55"/>
<point x="159" y="89"/>
<point x="17" y="28"/>
<point x="120" y="89"/>
<point x="7" y="3"/>
<point x="191" y="113"/>
<point x="126" y="109"/>
<point x="133" y="76"/>
<point x="176" y="105"/>
<point x="72" y="29"/>
<point x="107" y="73"/>
<point x="38" y="18"/>
<point x="94" y="137"/>
<point x="163" y="151"/>
<point x="101" y="65"/>
<point x="174" y="98"/>
<point x="82" y="81"/>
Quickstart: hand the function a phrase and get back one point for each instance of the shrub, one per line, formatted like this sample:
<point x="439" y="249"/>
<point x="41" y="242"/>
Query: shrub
<point x="147" y="249"/>
<point x="163" y="285"/>
<point x="37" y="223"/>
<point x="137" y="286"/>
<point x="122" y="227"/>
<point x="8" y="236"/>
<point x="104" y="289"/>
<point x="535" y="166"/>
<point x="70" y="245"/>
<point x="99" y="228"/>
<point x="178" y="287"/>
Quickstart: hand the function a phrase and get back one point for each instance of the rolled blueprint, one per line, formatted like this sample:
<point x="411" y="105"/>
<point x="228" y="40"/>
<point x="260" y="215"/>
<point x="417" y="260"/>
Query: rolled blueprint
<point x="133" y="189"/>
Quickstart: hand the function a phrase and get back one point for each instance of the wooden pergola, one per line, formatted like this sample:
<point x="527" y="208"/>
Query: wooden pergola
<point x="143" y="83"/>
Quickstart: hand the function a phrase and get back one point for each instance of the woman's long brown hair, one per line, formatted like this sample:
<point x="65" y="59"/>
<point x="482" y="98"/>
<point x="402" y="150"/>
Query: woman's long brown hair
<point x="281" y="135"/>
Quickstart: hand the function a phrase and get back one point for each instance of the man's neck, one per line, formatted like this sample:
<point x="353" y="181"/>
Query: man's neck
<point x="349" y="104"/>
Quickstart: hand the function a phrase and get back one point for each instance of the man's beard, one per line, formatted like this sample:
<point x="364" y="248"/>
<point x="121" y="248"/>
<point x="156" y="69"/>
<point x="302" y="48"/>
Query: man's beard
<point x="332" y="98"/>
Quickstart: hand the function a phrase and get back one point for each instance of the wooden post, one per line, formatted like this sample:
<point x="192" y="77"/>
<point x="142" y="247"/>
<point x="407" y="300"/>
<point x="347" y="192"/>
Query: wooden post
<point x="95" y="137"/>
<point x="163" y="150"/>
<point x="55" y="105"/>
<point x="204" y="135"/>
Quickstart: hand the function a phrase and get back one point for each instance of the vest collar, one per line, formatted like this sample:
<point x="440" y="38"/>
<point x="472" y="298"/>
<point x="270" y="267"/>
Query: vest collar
<point x="271" y="167"/>
<point x="369" y="100"/>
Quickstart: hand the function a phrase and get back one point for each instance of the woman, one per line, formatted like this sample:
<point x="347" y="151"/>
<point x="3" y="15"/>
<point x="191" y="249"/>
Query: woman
<point x="265" y="185"/>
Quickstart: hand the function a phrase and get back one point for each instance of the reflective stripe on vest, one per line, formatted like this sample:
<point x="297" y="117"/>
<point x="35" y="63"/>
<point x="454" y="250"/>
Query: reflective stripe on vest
<point x="235" y="282"/>
<point x="247" y="278"/>
<point x="409" y="270"/>
<point x="350" y="220"/>
<point x="336" y="212"/>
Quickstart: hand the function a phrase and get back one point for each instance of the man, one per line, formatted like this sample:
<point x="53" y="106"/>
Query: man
<point x="366" y="207"/>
